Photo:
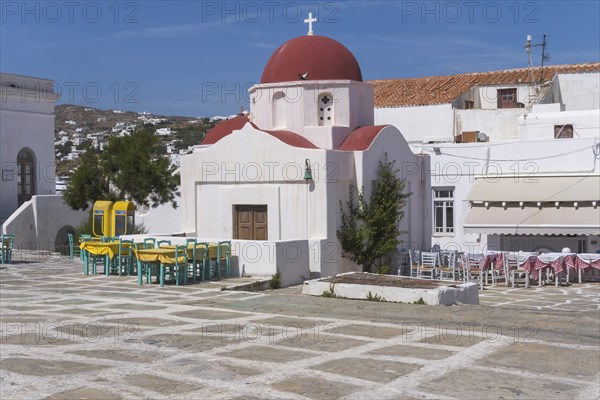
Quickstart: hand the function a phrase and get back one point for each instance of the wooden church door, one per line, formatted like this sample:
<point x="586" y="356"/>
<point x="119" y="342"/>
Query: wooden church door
<point x="250" y="222"/>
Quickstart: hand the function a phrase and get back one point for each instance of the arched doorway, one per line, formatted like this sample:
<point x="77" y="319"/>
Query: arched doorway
<point x="61" y="241"/>
<point x="25" y="175"/>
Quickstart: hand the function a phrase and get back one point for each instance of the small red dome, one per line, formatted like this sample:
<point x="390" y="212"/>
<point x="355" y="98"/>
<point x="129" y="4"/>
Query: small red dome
<point x="312" y="58"/>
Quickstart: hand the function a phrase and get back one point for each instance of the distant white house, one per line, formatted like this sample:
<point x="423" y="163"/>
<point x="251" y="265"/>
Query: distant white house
<point x="164" y="131"/>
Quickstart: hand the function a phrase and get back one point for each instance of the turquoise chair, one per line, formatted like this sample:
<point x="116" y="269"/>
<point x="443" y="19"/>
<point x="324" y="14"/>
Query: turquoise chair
<point x="163" y="243"/>
<point x="84" y="237"/>
<point x="176" y="270"/>
<point x="147" y="269"/>
<point x="87" y="257"/>
<point x="198" y="261"/>
<point x="150" y="243"/>
<point x="71" y="246"/>
<point x="223" y="256"/>
<point x="191" y="267"/>
<point x="125" y="257"/>
<point x="7" y="243"/>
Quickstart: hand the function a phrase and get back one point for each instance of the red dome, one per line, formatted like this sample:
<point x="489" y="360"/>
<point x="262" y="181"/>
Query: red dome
<point x="319" y="57"/>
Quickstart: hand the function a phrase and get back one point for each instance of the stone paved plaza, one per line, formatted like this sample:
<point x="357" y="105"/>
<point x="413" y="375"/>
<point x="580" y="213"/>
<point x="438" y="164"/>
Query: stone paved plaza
<point x="70" y="336"/>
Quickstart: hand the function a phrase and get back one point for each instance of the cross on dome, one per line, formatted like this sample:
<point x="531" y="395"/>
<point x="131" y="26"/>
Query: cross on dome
<point x="310" y="21"/>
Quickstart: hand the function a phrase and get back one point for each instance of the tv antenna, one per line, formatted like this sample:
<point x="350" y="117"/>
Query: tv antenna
<point x="545" y="57"/>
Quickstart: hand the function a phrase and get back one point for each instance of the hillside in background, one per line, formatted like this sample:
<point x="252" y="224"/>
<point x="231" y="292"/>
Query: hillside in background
<point x="77" y="127"/>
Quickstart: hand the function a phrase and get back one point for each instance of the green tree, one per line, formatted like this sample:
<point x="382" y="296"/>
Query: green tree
<point x="129" y="168"/>
<point x="370" y="229"/>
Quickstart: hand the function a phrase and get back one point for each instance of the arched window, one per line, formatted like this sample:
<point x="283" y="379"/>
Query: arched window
<point x="25" y="175"/>
<point x="278" y="110"/>
<point x="325" y="109"/>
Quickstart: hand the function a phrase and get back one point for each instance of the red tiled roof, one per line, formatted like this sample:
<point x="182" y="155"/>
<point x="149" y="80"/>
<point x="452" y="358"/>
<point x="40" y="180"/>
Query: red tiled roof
<point x="443" y="89"/>
<point x="361" y="139"/>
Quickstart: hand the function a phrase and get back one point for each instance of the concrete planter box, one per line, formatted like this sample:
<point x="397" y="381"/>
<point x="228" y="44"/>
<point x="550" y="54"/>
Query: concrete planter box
<point x="356" y="285"/>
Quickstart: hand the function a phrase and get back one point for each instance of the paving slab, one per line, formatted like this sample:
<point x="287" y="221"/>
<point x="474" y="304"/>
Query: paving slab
<point x="426" y="353"/>
<point x="38" y="367"/>
<point x="363" y="368"/>
<point x="471" y="383"/>
<point x="583" y="364"/>
<point x="316" y="388"/>
<point x="84" y="393"/>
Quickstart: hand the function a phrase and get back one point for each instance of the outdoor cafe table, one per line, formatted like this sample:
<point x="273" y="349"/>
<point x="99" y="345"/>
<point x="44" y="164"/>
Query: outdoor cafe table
<point x="212" y="250"/>
<point x="161" y="255"/>
<point x="556" y="261"/>
<point x="108" y="249"/>
<point x="586" y="260"/>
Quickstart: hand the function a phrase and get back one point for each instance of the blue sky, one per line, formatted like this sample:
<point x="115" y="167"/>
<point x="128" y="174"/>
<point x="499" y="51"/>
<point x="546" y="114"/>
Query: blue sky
<point x="198" y="58"/>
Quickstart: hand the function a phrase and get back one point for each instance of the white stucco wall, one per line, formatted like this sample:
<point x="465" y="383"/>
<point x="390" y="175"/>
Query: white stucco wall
<point x="497" y="124"/>
<point x="420" y="124"/>
<point x="36" y="223"/>
<point x="540" y="125"/>
<point x="26" y="121"/>
<point x="579" y="91"/>
<point x="163" y="219"/>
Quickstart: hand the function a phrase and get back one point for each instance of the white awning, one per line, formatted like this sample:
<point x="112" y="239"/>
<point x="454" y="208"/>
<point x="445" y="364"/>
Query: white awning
<point x="524" y="188"/>
<point x="533" y="220"/>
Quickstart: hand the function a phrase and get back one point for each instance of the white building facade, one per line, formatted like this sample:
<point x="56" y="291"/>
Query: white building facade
<point x="514" y="161"/>
<point x="29" y="207"/>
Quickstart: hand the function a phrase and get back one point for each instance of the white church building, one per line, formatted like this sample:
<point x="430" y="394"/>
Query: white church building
<point x="279" y="174"/>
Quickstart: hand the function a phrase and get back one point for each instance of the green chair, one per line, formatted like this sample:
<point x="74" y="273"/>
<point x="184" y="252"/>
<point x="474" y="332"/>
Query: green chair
<point x="163" y="243"/>
<point x="197" y="263"/>
<point x="7" y="243"/>
<point x="87" y="257"/>
<point x="82" y="238"/>
<point x="74" y="250"/>
<point x="177" y="269"/>
<point x="145" y="268"/>
<point x="125" y="257"/>
<point x="150" y="243"/>
<point x="223" y="256"/>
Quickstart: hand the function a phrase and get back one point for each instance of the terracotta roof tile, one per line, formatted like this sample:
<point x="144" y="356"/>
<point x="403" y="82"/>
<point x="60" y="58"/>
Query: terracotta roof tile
<point x="443" y="89"/>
